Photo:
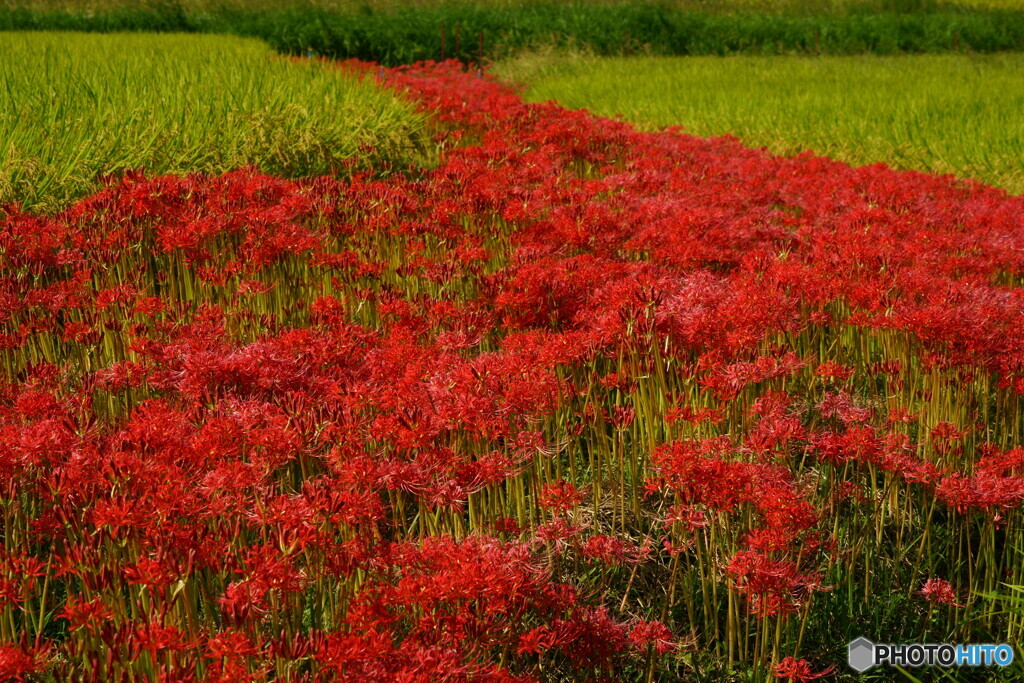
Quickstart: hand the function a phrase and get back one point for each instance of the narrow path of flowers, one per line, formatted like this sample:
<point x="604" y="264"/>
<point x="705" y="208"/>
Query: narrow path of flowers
<point x="581" y="401"/>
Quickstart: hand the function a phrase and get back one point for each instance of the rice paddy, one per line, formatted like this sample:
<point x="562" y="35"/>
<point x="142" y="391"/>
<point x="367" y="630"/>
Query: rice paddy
<point x="956" y="114"/>
<point x="76" y="107"/>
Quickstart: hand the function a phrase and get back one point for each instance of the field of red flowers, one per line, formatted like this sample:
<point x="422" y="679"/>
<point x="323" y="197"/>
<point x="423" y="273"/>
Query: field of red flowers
<point x="578" y="403"/>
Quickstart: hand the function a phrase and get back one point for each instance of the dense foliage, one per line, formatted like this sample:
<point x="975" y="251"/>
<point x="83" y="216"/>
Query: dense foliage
<point x="403" y="34"/>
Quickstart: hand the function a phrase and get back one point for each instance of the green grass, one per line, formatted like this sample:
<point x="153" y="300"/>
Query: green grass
<point x="399" y="32"/>
<point x="774" y="7"/>
<point x="73" y="106"/>
<point x="946" y="114"/>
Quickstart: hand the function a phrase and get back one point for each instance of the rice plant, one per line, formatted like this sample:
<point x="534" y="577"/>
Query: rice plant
<point x="945" y="114"/>
<point x="75" y="107"/>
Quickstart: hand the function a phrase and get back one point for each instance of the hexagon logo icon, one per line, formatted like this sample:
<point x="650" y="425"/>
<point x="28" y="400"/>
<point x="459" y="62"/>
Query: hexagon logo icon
<point x="860" y="655"/>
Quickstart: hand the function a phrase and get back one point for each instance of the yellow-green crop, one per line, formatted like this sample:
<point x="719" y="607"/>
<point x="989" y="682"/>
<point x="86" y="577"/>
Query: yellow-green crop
<point x="957" y="114"/>
<point x="73" y="106"/>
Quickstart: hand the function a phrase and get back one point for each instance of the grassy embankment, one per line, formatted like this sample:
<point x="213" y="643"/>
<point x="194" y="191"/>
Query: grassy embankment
<point x="393" y="32"/>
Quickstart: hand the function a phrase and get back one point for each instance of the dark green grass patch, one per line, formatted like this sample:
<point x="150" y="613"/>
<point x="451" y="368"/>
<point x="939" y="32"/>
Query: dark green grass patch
<point x="395" y="33"/>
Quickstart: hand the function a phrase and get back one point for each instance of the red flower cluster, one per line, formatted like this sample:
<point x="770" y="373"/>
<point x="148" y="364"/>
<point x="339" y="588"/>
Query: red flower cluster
<point x="452" y="425"/>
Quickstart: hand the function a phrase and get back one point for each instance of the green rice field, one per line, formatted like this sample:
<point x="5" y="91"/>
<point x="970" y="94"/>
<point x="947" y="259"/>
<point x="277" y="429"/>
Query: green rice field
<point x="957" y="114"/>
<point x="75" y="106"/>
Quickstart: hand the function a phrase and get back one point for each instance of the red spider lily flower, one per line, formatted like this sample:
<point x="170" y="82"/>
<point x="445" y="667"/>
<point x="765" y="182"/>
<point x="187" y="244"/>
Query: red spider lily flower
<point x="536" y="641"/>
<point x="243" y="600"/>
<point x="560" y="496"/>
<point x="81" y="333"/>
<point x="799" y="670"/>
<point x="940" y="592"/>
<point x="507" y="525"/>
<point x="844" y="407"/>
<point x="694" y="416"/>
<point x="902" y="415"/>
<point x="946" y="431"/>
<point x="19" y="662"/>
<point x="154" y="637"/>
<point x="621" y="417"/>
<point x="692" y="517"/>
<point x="253" y="287"/>
<point x="943" y="435"/>
<point x="771" y="586"/>
<point x="150" y="306"/>
<point x="654" y="633"/>
<point x="115" y="296"/>
<point x="154" y="573"/>
<point x="230" y="644"/>
<point x="726" y="381"/>
<point x="821" y="318"/>
<point x="89" y="614"/>
<point x="673" y="549"/>
<point x="558" y="532"/>
<point x="11" y="592"/>
<point x="833" y="370"/>
<point x="604" y="549"/>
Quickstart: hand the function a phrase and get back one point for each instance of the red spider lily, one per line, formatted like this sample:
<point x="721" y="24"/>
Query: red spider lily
<point x="154" y="638"/>
<point x="653" y="633"/>
<point x="604" y="549"/>
<point x="250" y="424"/>
<point x="902" y="415"/>
<point x="726" y="381"/>
<point x="560" y="496"/>
<point x="771" y="586"/>
<point x="507" y="525"/>
<point x="244" y="600"/>
<point x="88" y="614"/>
<point x="149" y="572"/>
<point x="799" y="670"/>
<point x="231" y="644"/>
<point x="693" y="416"/>
<point x="940" y="592"/>
<point x="621" y="417"/>
<point x="833" y="370"/>
<point x="19" y="662"/>
<point x="558" y="532"/>
<point x="842" y="406"/>
<point x="691" y="516"/>
<point x="536" y="641"/>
